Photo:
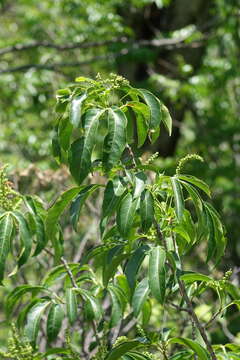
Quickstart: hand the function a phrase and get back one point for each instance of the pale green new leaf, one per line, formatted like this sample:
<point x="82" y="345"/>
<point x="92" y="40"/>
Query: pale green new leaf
<point x="166" y="118"/>
<point x="157" y="273"/>
<point x="155" y="108"/>
<point x="191" y="277"/>
<point x="122" y="349"/>
<point x="54" y="321"/>
<point x="76" y="110"/>
<point x="6" y="227"/>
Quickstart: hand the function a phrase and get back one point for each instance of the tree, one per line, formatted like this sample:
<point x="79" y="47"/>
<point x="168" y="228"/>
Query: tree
<point x="149" y="222"/>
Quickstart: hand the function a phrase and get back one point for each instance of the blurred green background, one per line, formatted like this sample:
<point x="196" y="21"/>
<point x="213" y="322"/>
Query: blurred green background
<point x="186" y="52"/>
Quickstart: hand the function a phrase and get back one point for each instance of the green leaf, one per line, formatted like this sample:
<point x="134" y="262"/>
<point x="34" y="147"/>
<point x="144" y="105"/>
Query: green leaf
<point x="122" y="349"/>
<point x="142" y="120"/>
<point x="79" y="201"/>
<point x="134" y="264"/>
<point x="25" y="237"/>
<point x="146" y="210"/>
<point x="126" y="214"/>
<point x="155" y="108"/>
<point x="54" y="321"/>
<point x="6" y="227"/>
<point x="33" y="207"/>
<point x="191" y="277"/>
<point x="118" y="305"/>
<point x="71" y="303"/>
<point x="193" y="345"/>
<point x="140" y="295"/>
<point x="166" y="118"/>
<point x="57" y="209"/>
<point x="178" y="197"/>
<point x="139" y="184"/>
<point x="33" y="320"/>
<point x="115" y="141"/>
<point x="95" y="308"/>
<point x="81" y="149"/>
<point x="64" y="133"/>
<point x="17" y="293"/>
<point x="196" y="182"/>
<point x="112" y="194"/>
<point x="58" y="273"/>
<point x="110" y="267"/>
<point x="157" y="273"/>
<point x="76" y="110"/>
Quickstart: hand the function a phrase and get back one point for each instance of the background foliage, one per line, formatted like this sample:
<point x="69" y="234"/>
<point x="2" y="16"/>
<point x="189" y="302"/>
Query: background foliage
<point x="185" y="53"/>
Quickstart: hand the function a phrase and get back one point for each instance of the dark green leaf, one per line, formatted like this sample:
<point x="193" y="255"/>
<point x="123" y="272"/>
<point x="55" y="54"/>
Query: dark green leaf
<point x="33" y="320"/>
<point x="140" y="295"/>
<point x="79" y="201"/>
<point x="81" y="149"/>
<point x="134" y="264"/>
<point x="71" y="303"/>
<point x="157" y="273"/>
<point x="178" y="197"/>
<point x="126" y="214"/>
<point x="113" y="191"/>
<point x="54" y="321"/>
<point x="115" y="141"/>
<point x="154" y="106"/>
<point x="193" y="345"/>
<point x="122" y="349"/>
<point x="25" y="237"/>
<point x="146" y="210"/>
<point x="6" y="227"/>
<point x="57" y="209"/>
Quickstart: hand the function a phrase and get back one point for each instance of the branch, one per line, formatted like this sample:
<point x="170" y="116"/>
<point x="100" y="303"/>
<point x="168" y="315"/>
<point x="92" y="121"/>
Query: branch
<point x="169" y="44"/>
<point x="88" y="45"/>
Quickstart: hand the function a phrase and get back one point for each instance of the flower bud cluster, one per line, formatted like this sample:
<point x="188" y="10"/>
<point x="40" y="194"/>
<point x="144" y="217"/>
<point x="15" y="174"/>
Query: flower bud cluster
<point x="9" y="199"/>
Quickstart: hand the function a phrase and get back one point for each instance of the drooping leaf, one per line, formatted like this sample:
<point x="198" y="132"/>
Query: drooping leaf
<point x="139" y="184"/>
<point x="122" y="349"/>
<point x="193" y="345"/>
<point x="76" y="110"/>
<point x="79" y="201"/>
<point x="6" y="227"/>
<point x="140" y="295"/>
<point x="134" y="264"/>
<point x="118" y="305"/>
<point x="92" y="300"/>
<point x="191" y="277"/>
<point x="125" y="214"/>
<point x="196" y="182"/>
<point x="17" y="293"/>
<point x="155" y="108"/>
<point x="111" y="265"/>
<point x="33" y="320"/>
<point x="57" y="209"/>
<point x="64" y="133"/>
<point x="54" y="321"/>
<point x="81" y="149"/>
<point x="146" y="210"/>
<point x="113" y="191"/>
<point x="58" y="273"/>
<point x="142" y="120"/>
<point x="25" y="237"/>
<point x="166" y="118"/>
<point x="178" y="197"/>
<point x="157" y="273"/>
<point x="71" y="304"/>
<point x="115" y="141"/>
